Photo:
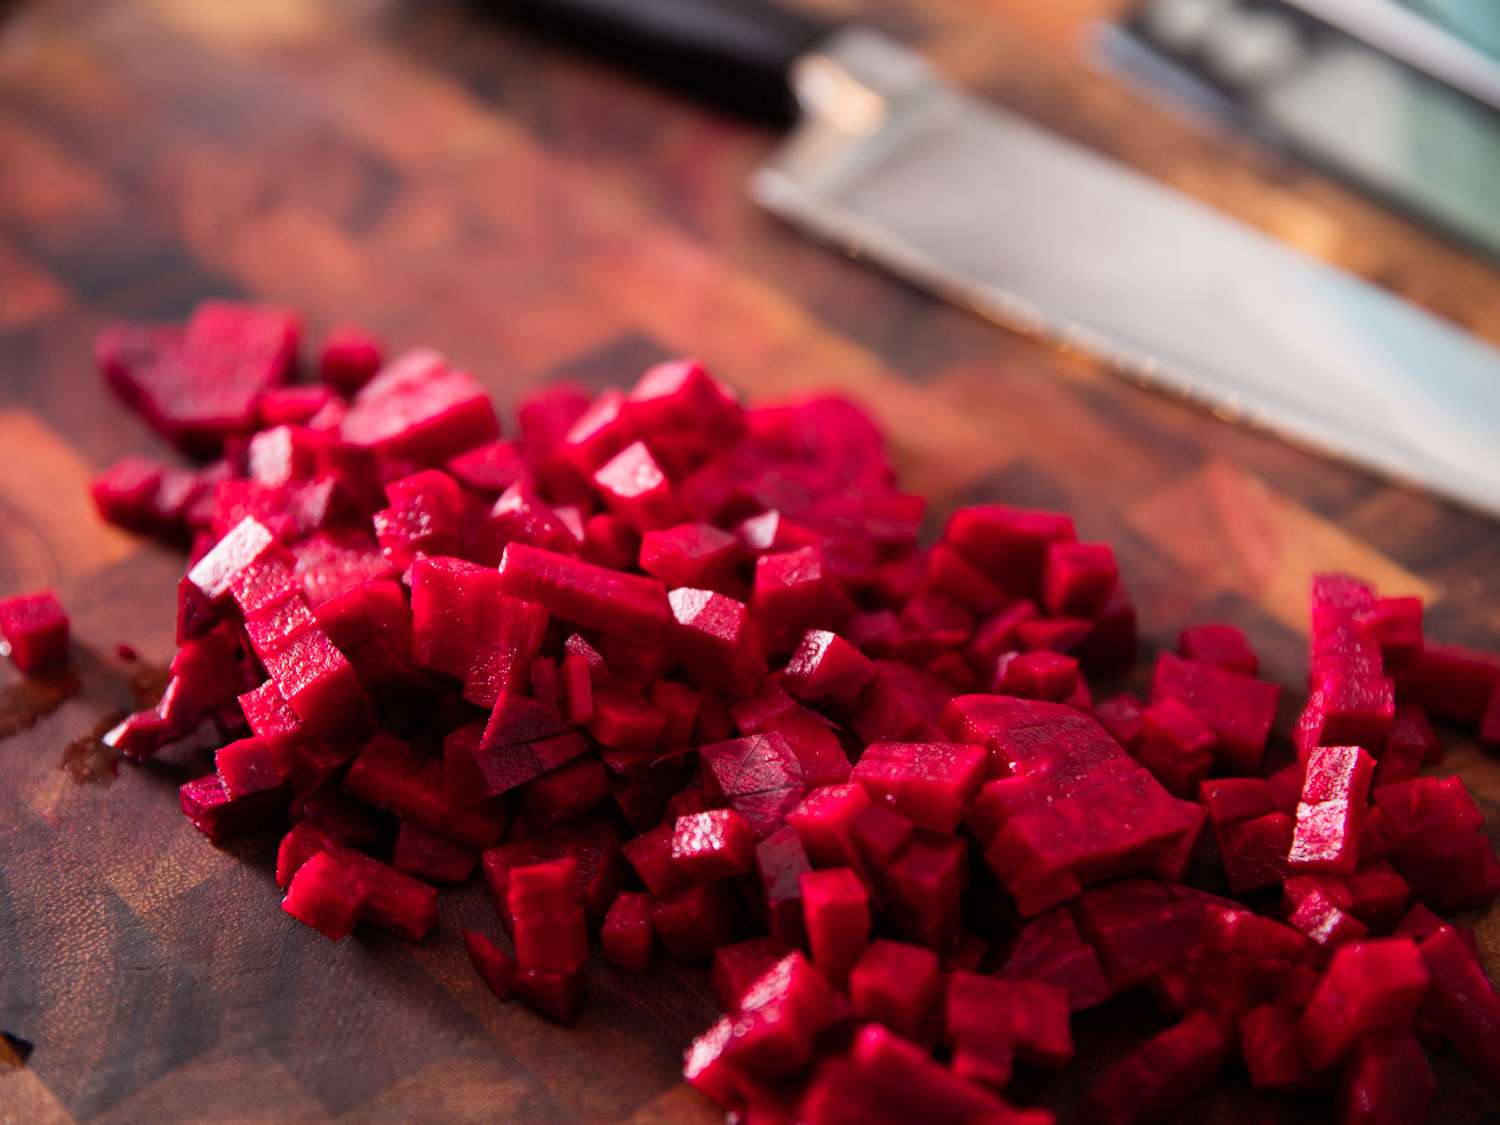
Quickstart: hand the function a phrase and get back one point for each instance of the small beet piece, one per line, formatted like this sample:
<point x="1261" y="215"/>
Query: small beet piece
<point x="636" y="489"/>
<point x="836" y="917"/>
<point x="1450" y="682"/>
<point x="1160" y="1075"/>
<point x="930" y="783"/>
<point x="1463" y="1003"/>
<point x="1268" y="1042"/>
<point x="1238" y="709"/>
<point x="1370" y="986"/>
<point x="712" y="637"/>
<point x="1008" y="545"/>
<point x="1387" y="1081"/>
<point x="896" y="984"/>
<point x="587" y="595"/>
<point x="826" y="667"/>
<point x="1396" y="626"/>
<point x="495" y="967"/>
<point x="791" y="593"/>
<point x="1049" y="676"/>
<point x="421" y="410"/>
<point x="1077" y="578"/>
<point x="35" y="631"/>
<point x="1438" y="843"/>
<point x="626" y="937"/>
<point x="714" y="844"/>
<point x="1223" y="645"/>
<point x="323" y="895"/>
<point x="738" y="966"/>
<point x="824" y="822"/>
<point x="759" y="776"/>
<point x="1254" y="851"/>
<point x="430" y="856"/>
<point x="546" y="916"/>
<point x="558" y="996"/>
<point x="349" y="358"/>
<point x="1330" y="815"/>
<point x="695" y="921"/>
<point x="1176" y="746"/>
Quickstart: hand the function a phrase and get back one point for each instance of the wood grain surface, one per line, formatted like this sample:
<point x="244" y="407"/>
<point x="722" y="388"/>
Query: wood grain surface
<point x="449" y="182"/>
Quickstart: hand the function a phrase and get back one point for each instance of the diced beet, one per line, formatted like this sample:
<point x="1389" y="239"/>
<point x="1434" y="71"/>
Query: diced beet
<point x="1139" y="928"/>
<point x="712" y="637"/>
<point x="1030" y="1017"/>
<point x="898" y="985"/>
<point x="421" y="410"/>
<point x="1450" y="682"/>
<point x="651" y="855"/>
<point x="1268" y="1042"/>
<point x="1176" y="746"/>
<point x="825" y="668"/>
<point x="626" y="937"/>
<point x="780" y="862"/>
<point x="430" y="856"/>
<point x="738" y="966"/>
<point x="1050" y="950"/>
<point x="200" y="386"/>
<point x="1463" y="1003"/>
<point x="759" y="776"/>
<point x="558" y="996"/>
<point x="1317" y="915"/>
<point x="567" y="793"/>
<point x="1048" y="676"/>
<point x="1438" y="842"/>
<point x="1230" y="800"/>
<point x="1009" y="545"/>
<point x="1077" y="578"/>
<point x="1123" y="716"/>
<point x="1254" y="851"/>
<point x="587" y="595"/>
<point x="789" y="595"/>
<point x="247" y="767"/>
<point x="34" y="628"/>
<point x="710" y="845"/>
<point x="1223" y="645"/>
<point x="329" y="565"/>
<point x="698" y="555"/>
<point x="546" y="917"/>
<point x="1396" y="626"/>
<point x="900" y="703"/>
<point x="1330" y="815"/>
<point x="339" y="886"/>
<point x="495" y="967"/>
<point x="836" y="917"/>
<point x="1387" y="1081"/>
<point x="1239" y="710"/>
<point x="695" y="921"/>
<point x="1160" y="1075"/>
<point x="319" y="684"/>
<point x="911" y="1086"/>
<point x="207" y="804"/>
<point x="636" y="489"/>
<point x="1370" y="986"/>
<point x="824" y="820"/>
<point x="349" y="358"/>
<point x="389" y="774"/>
<point x="327" y="896"/>
<point x="1053" y="634"/>
<point x="930" y="783"/>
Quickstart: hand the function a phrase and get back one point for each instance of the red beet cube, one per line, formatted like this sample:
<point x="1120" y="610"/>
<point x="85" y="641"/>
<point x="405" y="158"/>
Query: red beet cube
<point x="1050" y="950"/>
<point x="1330" y="815"/>
<point x="780" y="862"/>
<point x="495" y="967"/>
<point x="627" y="936"/>
<point x="323" y="895"/>
<point x="35" y="630"/>
<point x="696" y="555"/>
<point x="912" y="1087"/>
<point x="421" y="410"/>
<point x="651" y="855"/>
<point x="430" y="856"/>
<point x="1230" y="800"/>
<point x="1438" y="842"/>
<point x="930" y="783"/>
<point x="1396" y="626"/>
<point x="1254" y="851"/>
<point x="695" y="921"/>
<point x="950" y="573"/>
<point x="712" y="637"/>
<point x="565" y="794"/>
<point x="1317" y="915"/>
<point x="824" y="823"/>
<point x="558" y="996"/>
<point x="1223" y="645"/>
<point x="1160" y="1075"/>
<point x="1123" y="716"/>
<point x="319" y="684"/>
<point x="712" y="845"/>
<point x="1239" y="710"/>
<point x="738" y="966"/>
<point x="1009" y="545"/>
<point x="826" y="668"/>
<point x="1077" y="578"/>
<point x="1268" y="1042"/>
<point x="759" y="776"/>
<point x="1176" y="746"/>
<point x="349" y="358"/>
<point x="1030" y="1016"/>
<point x="1387" y="1080"/>
<point x="206" y="588"/>
<point x="790" y="593"/>
<point x="1050" y="676"/>
<point x="1450" y="682"/>
<point x="593" y="597"/>
<point x="1370" y="986"/>
<point x="896" y="984"/>
<point x="636" y="489"/>
<point x="1463" y="1003"/>
<point x="836" y="917"/>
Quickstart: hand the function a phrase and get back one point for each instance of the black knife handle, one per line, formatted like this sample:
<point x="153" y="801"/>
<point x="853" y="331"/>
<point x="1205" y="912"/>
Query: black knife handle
<point x="736" y="54"/>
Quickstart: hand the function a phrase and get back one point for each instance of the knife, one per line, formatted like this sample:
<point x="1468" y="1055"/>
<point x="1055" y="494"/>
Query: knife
<point x="890" y="163"/>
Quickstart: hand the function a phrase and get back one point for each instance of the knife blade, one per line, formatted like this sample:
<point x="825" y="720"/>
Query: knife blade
<point x="892" y="164"/>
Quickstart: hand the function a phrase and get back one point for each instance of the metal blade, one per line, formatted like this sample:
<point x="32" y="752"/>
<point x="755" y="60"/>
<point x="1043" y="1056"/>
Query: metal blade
<point x="996" y="214"/>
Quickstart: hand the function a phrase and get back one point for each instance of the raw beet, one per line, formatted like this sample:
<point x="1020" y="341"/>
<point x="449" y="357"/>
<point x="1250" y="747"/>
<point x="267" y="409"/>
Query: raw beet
<point x="693" y="665"/>
<point x="35" y="629"/>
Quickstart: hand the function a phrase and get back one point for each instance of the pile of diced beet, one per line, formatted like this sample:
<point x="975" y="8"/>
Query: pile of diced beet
<point x="678" y="677"/>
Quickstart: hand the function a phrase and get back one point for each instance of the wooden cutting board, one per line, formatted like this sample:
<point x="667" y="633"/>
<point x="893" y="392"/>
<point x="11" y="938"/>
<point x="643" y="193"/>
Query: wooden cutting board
<point x="446" y="182"/>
